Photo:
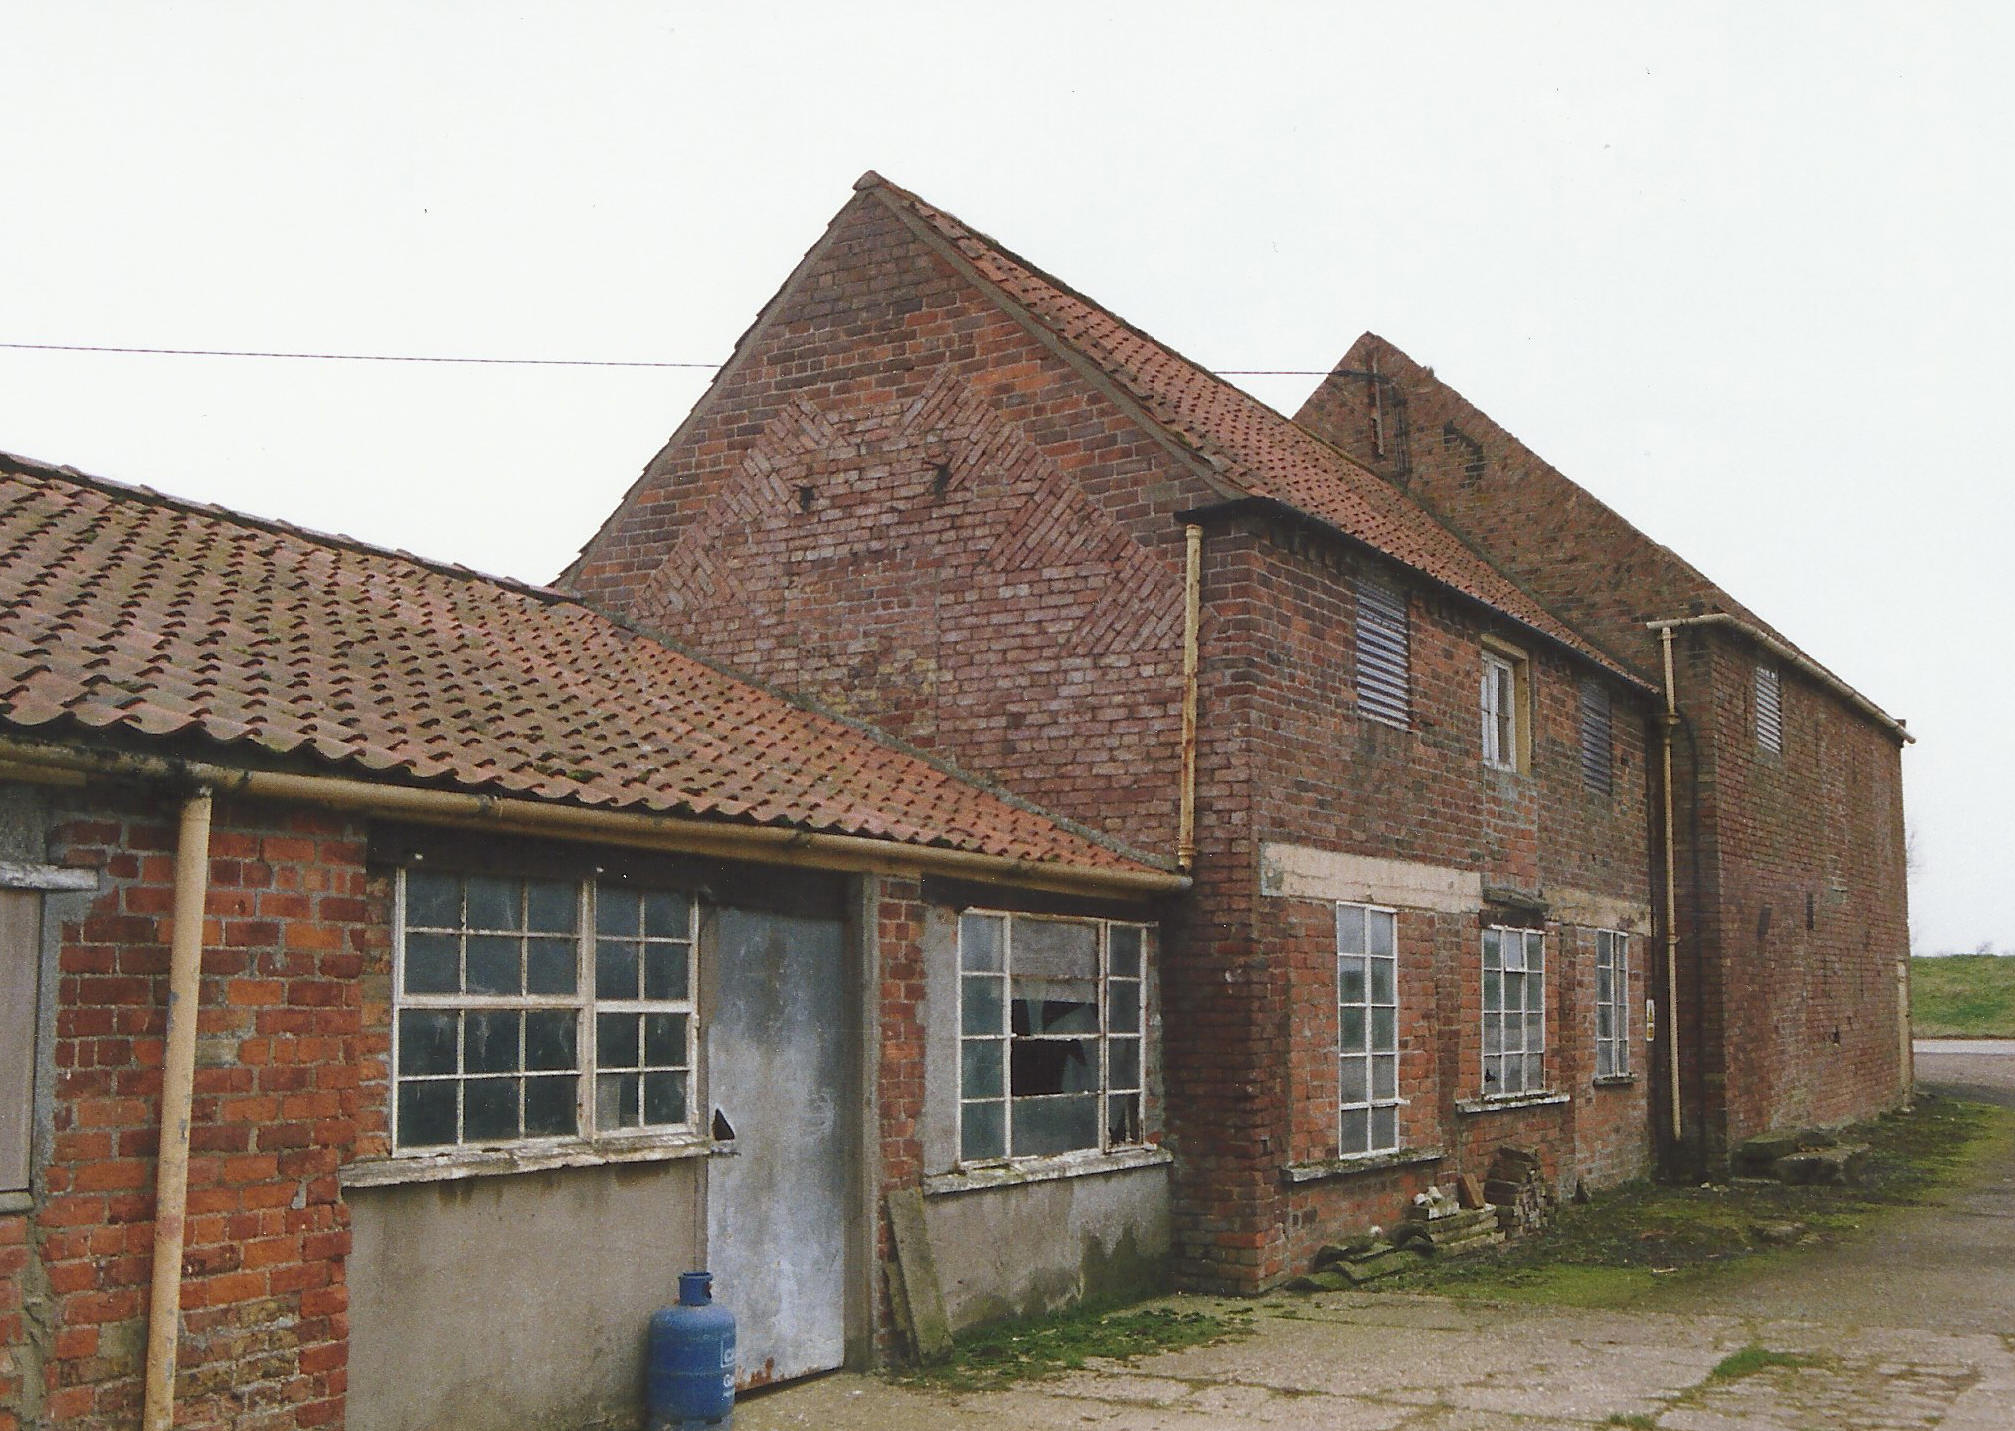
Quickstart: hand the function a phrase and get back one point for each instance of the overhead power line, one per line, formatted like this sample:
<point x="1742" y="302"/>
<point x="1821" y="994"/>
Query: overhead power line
<point x="349" y="357"/>
<point x="494" y="362"/>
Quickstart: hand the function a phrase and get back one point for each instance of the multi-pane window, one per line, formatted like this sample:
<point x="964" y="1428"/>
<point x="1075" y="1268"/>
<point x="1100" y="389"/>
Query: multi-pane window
<point x="1500" y="711"/>
<point x="1384" y="672"/>
<point x="1612" y="1003"/>
<point x="1052" y="1013"/>
<point x="539" y="1009"/>
<point x="1514" y="1011"/>
<point x="1769" y="709"/>
<point x="1367" y="1029"/>
<point x="1598" y="738"/>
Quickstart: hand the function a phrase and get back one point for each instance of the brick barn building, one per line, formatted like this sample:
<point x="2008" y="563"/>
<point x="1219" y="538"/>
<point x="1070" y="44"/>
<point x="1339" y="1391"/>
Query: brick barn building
<point x="1169" y="835"/>
<point x="939" y="489"/>
<point x="533" y="962"/>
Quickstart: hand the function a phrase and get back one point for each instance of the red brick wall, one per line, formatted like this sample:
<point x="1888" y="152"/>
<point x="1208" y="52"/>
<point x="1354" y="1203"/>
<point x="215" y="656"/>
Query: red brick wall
<point x="1760" y="999"/>
<point x="895" y="490"/>
<point x="1323" y="777"/>
<point x="288" y="1085"/>
<point x="899" y="1076"/>
<point x="1810" y="923"/>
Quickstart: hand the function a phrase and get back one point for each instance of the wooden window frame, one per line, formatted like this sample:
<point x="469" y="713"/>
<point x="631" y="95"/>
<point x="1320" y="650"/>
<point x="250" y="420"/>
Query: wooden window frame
<point x="973" y="1037"/>
<point x="1369" y="1124"/>
<point x="588" y="1007"/>
<point x="1531" y="1078"/>
<point x="1500" y="656"/>
<point x="1612" y="1049"/>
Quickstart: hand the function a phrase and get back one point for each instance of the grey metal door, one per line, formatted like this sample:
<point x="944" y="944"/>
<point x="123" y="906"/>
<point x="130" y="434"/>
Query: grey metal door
<point x="776" y="1211"/>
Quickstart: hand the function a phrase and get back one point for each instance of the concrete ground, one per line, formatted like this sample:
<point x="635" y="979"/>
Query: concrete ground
<point x="1913" y="1326"/>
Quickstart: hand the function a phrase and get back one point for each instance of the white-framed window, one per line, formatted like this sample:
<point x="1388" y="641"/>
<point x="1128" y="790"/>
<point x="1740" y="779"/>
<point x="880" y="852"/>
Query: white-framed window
<point x="1053" y="1019"/>
<point x="1367" y="1029"/>
<point x="1384" y="663"/>
<point x="1770" y="709"/>
<point x="530" y="1010"/>
<point x="1502" y="690"/>
<point x="1514" y="1011"/>
<point x="1612" y="1003"/>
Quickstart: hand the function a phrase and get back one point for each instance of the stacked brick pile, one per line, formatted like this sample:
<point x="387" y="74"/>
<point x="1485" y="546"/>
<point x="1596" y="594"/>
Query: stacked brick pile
<point x="1437" y="1225"/>
<point x="1518" y="1190"/>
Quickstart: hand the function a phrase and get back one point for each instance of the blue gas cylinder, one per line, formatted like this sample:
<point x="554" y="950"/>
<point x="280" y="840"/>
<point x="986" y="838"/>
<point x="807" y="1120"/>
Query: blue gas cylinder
<point x="691" y="1372"/>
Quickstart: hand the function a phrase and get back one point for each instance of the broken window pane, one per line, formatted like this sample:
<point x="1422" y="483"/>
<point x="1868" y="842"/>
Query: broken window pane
<point x="1053" y="1007"/>
<point x="1123" y="1119"/>
<point x="1123" y="1063"/>
<point x="1039" y="1066"/>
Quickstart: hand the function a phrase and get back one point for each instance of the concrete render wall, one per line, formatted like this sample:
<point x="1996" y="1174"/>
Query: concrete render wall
<point x="515" y="1303"/>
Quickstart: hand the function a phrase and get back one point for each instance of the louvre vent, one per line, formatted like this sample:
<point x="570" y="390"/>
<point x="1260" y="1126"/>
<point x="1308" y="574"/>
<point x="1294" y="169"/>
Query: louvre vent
<point x="1383" y="673"/>
<point x="1769" y="709"/>
<point x="1598" y="744"/>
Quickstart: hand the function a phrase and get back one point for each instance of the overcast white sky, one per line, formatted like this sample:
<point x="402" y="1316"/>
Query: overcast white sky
<point x="1743" y="270"/>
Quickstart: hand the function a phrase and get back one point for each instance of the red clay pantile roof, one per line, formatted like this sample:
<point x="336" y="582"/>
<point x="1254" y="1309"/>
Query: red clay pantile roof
<point x="131" y="613"/>
<point x="1256" y="449"/>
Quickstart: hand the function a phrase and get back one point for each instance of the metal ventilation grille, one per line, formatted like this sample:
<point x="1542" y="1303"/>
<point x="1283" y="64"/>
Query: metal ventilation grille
<point x="1769" y="709"/>
<point x="1384" y="675"/>
<point x="1598" y="744"/>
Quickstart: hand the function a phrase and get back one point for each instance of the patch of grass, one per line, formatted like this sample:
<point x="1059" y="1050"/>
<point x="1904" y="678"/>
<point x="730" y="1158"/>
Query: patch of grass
<point x="1634" y="1420"/>
<point x="1645" y="1236"/>
<point x="991" y="1357"/>
<point x="1963" y="996"/>
<point x="1754" y="1358"/>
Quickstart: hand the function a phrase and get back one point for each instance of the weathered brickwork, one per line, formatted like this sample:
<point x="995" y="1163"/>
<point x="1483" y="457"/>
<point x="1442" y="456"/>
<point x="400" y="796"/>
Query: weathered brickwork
<point x="289" y="1084"/>
<point x="1784" y="1020"/>
<point x="899" y="1076"/>
<point x="895" y="487"/>
<point x="904" y="502"/>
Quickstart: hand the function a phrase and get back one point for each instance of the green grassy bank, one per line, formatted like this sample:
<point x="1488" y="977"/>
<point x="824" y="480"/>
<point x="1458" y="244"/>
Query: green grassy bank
<point x="1963" y="996"/>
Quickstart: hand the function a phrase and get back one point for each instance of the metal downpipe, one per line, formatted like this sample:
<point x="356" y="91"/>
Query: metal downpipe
<point x="178" y="1077"/>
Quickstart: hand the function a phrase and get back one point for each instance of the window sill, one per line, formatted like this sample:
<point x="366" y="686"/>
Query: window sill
<point x="1616" y="1080"/>
<point x="494" y="1162"/>
<point x="1042" y="1170"/>
<point x="1498" y="1103"/>
<point x="17" y="1202"/>
<point x="1359" y="1163"/>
